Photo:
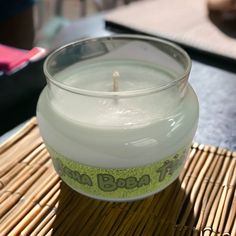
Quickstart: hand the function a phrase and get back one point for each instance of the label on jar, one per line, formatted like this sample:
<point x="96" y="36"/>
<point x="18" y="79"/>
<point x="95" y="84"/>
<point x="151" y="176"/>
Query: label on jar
<point x="119" y="183"/>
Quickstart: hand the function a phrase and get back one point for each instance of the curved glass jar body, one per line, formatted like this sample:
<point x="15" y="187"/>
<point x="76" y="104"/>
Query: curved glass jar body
<point x="118" y="115"/>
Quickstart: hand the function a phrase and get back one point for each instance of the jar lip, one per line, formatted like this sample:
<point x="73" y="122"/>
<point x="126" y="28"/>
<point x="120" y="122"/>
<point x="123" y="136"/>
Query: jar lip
<point x="132" y="93"/>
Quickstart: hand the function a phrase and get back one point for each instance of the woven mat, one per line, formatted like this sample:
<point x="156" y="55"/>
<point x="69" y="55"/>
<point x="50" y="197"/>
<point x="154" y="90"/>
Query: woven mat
<point x="184" y="22"/>
<point x="34" y="201"/>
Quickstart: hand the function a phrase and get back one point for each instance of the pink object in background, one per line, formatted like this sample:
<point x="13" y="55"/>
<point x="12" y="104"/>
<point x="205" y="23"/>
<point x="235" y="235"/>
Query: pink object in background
<point x="13" y="59"/>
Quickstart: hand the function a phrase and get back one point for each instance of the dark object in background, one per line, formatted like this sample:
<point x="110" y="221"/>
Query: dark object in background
<point x="19" y="94"/>
<point x="225" y="21"/>
<point x="17" y="23"/>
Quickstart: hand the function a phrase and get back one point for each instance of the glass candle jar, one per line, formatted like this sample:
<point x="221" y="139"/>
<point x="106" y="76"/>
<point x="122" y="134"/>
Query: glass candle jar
<point x="118" y="115"/>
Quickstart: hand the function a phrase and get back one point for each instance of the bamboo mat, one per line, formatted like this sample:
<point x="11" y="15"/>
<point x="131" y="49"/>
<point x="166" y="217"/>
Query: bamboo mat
<point x="34" y="201"/>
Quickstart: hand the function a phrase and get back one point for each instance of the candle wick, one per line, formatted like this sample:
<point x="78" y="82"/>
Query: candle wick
<point x="115" y="80"/>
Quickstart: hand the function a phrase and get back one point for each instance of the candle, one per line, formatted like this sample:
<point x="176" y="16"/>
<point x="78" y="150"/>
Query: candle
<point x="118" y="115"/>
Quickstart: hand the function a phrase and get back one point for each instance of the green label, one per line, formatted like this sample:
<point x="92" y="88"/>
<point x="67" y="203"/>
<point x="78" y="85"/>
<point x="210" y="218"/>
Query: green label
<point x="118" y="183"/>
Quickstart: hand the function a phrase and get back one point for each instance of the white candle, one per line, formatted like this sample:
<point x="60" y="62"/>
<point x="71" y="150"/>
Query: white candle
<point x="123" y="141"/>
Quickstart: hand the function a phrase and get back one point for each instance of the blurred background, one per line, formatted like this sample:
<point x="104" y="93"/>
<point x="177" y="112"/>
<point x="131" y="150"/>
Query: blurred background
<point x="51" y="16"/>
<point x="43" y="23"/>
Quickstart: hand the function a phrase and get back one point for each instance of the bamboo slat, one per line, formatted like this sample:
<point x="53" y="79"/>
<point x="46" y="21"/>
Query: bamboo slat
<point x="34" y="201"/>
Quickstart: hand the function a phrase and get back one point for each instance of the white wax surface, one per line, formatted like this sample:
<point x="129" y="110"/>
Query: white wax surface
<point x="117" y="132"/>
<point x="133" y="76"/>
<point x="115" y="112"/>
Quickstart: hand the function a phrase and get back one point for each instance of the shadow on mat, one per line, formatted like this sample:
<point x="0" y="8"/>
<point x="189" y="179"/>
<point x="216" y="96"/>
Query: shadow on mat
<point x="167" y="213"/>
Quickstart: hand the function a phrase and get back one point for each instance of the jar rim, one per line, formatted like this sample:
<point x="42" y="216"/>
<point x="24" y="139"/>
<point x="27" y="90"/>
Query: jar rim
<point x="113" y="94"/>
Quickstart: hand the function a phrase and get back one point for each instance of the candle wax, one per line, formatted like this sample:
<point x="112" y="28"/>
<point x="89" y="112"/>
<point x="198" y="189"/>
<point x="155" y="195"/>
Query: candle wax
<point x="117" y="132"/>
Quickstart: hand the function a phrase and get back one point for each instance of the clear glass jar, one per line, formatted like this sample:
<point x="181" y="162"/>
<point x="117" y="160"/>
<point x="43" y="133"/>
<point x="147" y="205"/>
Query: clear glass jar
<point x="118" y="115"/>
